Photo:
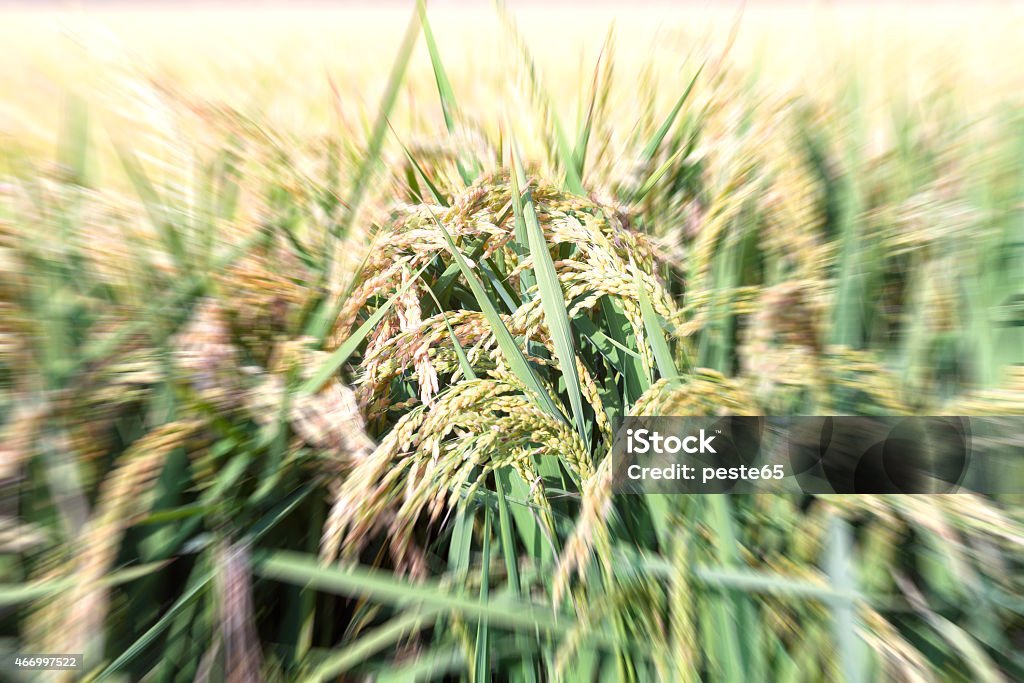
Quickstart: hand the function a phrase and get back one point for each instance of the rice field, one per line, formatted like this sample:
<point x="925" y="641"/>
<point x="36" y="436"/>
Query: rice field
<point x="317" y="327"/>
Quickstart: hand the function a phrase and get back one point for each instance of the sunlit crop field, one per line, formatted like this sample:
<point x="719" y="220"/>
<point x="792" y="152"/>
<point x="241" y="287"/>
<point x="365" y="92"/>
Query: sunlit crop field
<point x="277" y="62"/>
<point x="317" y="328"/>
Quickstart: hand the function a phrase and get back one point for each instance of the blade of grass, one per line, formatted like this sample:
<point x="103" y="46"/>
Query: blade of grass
<point x="436" y="193"/>
<point x="198" y="583"/>
<point x="372" y="642"/>
<point x="607" y="346"/>
<point x="656" y="337"/>
<point x="460" y="353"/>
<point x="16" y="594"/>
<point x="449" y="107"/>
<point x="573" y="176"/>
<point x="840" y="568"/>
<point x="482" y="659"/>
<point x="74" y="144"/>
<point x="201" y="582"/>
<point x="522" y="239"/>
<point x="352" y="342"/>
<point x="526" y="517"/>
<point x="551" y="298"/>
<point x="306" y="570"/>
<point x="635" y="378"/>
<point x="525" y="670"/>
<point x="444" y="86"/>
<point x="743" y="609"/>
<point x="431" y="666"/>
<point x="292" y="567"/>
<point x="583" y="139"/>
<point x="516" y="360"/>
<point x="654" y="143"/>
<point x="380" y="126"/>
<point x="155" y="207"/>
<point x="652" y="180"/>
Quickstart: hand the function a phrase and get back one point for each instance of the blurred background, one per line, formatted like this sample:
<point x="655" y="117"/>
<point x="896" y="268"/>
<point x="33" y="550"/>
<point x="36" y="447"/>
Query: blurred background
<point x="317" y="323"/>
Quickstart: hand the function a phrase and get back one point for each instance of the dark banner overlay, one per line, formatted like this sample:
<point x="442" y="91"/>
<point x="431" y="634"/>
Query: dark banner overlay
<point x="819" y="455"/>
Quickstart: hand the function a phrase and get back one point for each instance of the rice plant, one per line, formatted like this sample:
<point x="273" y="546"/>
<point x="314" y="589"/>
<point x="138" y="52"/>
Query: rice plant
<point x="341" y="408"/>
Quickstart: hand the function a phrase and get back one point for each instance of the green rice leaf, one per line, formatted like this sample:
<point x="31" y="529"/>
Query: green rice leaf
<point x="569" y="162"/>
<point x="659" y="136"/>
<point x="652" y="180"/>
<point x="482" y="659"/>
<point x="380" y="127"/>
<point x="444" y="86"/>
<point x="200" y="583"/>
<point x="840" y="568"/>
<point x="516" y="360"/>
<point x="460" y="353"/>
<point x="656" y="337"/>
<point x="383" y="586"/>
<point x="372" y="642"/>
<point x="15" y="594"/>
<point x="352" y="342"/>
<point x="583" y="139"/>
<point x="551" y="298"/>
<point x="155" y="208"/>
<point x="436" y="193"/>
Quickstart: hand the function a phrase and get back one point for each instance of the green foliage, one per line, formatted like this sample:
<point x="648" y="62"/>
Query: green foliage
<point x="246" y="437"/>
